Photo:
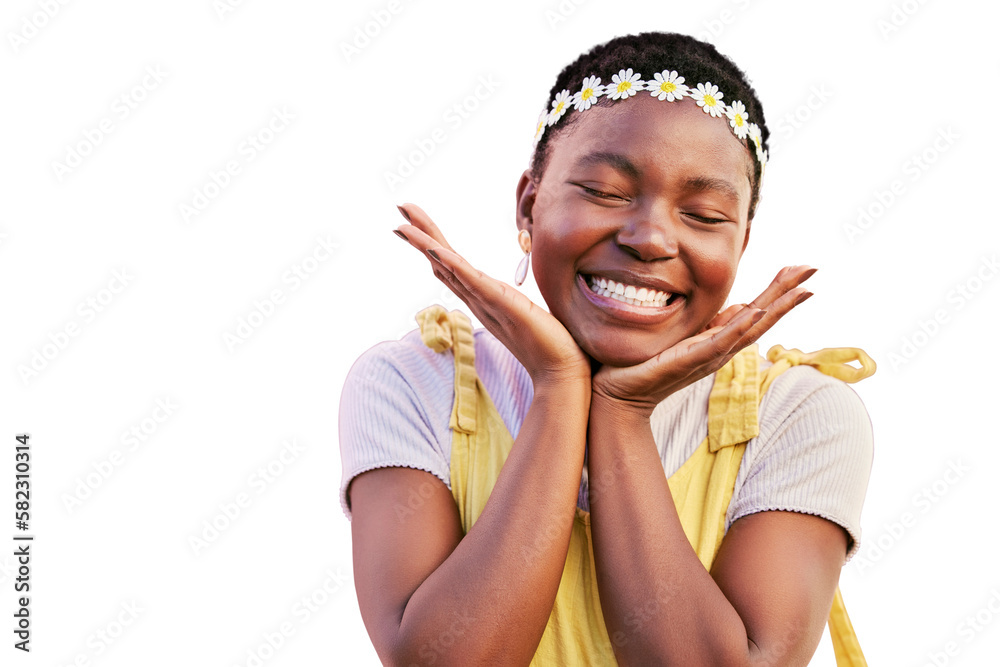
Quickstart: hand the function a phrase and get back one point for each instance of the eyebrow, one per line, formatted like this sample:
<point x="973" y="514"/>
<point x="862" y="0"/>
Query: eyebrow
<point x="614" y="160"/>
<point x="708" y="184"/>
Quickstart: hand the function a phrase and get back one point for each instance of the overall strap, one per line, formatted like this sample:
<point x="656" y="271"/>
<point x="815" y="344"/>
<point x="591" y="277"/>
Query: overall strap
<point x="702" y="487"/>
<point x="832" y="361"/>
<point x="440" y="331"/>
<point x="480" y="441"/>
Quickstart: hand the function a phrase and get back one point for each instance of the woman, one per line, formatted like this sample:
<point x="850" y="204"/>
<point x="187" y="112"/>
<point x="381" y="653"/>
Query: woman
<point x="509" y="487"/>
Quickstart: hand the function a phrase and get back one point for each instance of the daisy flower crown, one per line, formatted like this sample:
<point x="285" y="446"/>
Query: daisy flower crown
<point x="664" y="86"/>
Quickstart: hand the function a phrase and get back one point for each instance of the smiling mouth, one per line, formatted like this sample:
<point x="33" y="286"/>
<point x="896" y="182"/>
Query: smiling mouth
<point x="630" y="294"/>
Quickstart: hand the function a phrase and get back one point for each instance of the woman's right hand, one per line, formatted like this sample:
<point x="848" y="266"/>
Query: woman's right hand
<point x="537" y="339"/>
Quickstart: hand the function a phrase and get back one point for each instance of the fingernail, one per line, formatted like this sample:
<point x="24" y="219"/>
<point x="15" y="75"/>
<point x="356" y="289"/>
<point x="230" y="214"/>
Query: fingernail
<point x="403" y="211"/>
<point x="758" y="316"/>
<point x="400" y="234"/>
<point x="803" y="297"/>
<point x="430" y="251"/>
<point x="808" y="274"/>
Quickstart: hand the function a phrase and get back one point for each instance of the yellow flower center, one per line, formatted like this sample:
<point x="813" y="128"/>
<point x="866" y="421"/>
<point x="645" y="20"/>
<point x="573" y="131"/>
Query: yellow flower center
<point x="709" y="101"/>
<point x="624" y="85"/>
<point x="587" y="93"/>
<point x="560" y="106"/>
<point x="668" y="86"/>
<point x="739" y="120"/>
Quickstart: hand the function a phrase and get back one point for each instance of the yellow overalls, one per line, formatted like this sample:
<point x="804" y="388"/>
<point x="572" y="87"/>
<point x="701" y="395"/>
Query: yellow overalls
<point x="701" y="488"/>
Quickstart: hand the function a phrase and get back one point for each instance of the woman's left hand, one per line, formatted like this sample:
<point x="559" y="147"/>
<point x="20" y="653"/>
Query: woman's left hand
<point x="640" y="388"/>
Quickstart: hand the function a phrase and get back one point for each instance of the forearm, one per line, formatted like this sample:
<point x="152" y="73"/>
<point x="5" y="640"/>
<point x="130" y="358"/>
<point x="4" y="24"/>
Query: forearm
<point x="659" y="602"/>
<point x="499" y="583"/>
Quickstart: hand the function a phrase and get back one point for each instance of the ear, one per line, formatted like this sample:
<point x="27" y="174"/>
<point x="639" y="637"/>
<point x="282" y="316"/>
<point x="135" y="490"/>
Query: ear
<point x="525" y="201"/>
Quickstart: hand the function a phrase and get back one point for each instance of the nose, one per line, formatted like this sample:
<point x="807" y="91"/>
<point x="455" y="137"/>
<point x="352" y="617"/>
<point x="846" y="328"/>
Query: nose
<point x="650" y="235"/>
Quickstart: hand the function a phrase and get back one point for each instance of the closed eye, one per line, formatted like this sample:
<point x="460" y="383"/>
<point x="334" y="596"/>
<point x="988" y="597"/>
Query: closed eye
<point x="701" y="218"/>
<point x="600" y="194"/>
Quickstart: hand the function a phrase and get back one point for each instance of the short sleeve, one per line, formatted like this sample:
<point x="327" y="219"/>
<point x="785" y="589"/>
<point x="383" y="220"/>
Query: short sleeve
<point x="394" y="411"/>
<point x="813" y="454"/>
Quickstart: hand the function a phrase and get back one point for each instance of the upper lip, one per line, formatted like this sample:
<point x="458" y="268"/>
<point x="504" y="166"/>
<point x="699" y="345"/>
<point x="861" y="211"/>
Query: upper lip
<point x="632" y="278"/>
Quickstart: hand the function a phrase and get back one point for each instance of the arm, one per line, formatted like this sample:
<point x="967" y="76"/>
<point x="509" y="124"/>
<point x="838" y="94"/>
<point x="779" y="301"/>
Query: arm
<point x="430" y="596"/>
<point x="769" y="590"/>
<point x="765" y="601"/>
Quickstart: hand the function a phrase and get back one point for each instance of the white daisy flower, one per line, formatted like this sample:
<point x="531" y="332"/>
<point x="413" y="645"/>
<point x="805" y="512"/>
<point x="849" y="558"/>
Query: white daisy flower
<point x="738" y="119"/>
<point x="667" y="86"/>
<point x="560" y="105"/>
<point x="755" y="136"/>
<point x="543" y="119"/>
<point x="625" y="85"/>
<point x="587" y="96"/>
<point x="709" y="99"/>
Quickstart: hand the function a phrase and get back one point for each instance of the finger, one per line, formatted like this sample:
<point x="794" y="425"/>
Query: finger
<point x="786" y="280"/>
<point x="498" y="306"/>
<point x="710" y="350"/>
<point x="454" y="284"/>
<point x="424" y="243"/>
<point x="778" y="299"/>
<point x="725" y="337"/>
<point x="419" y="219"/>
<point x="493" y="294"/>
<point x="778" y="309"/>
<point x="715" y="347"/>
<point x="698" y="356"/>
<point x="725" y="316"/>
<point x="418" y="238"/>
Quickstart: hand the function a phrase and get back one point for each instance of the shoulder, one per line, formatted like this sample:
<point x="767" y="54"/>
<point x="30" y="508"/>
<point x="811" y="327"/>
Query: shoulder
<point x="394" y="411"/>
<point x="804" y="394"/>
<point x="396" y="403"/>
<point x="405" y="360"/>
<point x="409" y="361"/>
<point x="813" y="453"/>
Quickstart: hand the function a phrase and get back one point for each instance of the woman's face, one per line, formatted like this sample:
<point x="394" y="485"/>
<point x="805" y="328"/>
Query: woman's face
<point x="652" y="196"/>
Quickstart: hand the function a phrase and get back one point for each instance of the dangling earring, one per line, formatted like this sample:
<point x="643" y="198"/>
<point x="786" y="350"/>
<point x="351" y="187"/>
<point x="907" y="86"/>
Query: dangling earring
<point x="523" y="240"/>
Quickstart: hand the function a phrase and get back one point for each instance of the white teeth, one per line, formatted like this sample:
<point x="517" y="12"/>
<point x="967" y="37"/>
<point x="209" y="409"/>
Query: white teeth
<point x="637" y="296"/>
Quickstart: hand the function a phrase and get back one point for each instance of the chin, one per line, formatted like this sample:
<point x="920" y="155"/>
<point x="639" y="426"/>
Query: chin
<point x="620" y="354"/>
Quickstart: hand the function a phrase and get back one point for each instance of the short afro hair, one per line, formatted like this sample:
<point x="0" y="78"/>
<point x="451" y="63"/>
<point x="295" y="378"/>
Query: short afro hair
<point x="649" y="53"/>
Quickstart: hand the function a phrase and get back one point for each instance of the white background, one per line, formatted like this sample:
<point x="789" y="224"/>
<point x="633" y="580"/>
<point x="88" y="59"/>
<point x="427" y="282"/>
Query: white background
<point x="851" y="99"/>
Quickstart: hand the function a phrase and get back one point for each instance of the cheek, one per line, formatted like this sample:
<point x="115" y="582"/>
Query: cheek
<point x="553" y="267"/>
<point x="715" y="272"/>
<point x="558" y="241"/>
